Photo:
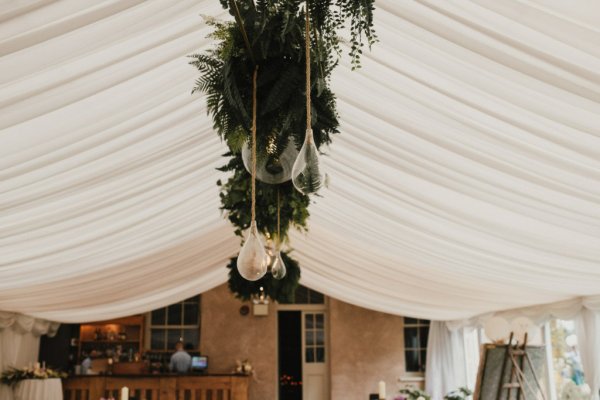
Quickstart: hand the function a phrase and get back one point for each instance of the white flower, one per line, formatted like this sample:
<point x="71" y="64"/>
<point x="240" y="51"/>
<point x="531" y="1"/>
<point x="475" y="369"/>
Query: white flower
<point x="585" y="389"/>
<point x="570" y="391"/>
<point x="420" y="398"/>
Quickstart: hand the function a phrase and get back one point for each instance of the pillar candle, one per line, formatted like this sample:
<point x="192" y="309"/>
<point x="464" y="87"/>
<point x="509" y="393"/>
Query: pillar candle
<point x="124" y="393"/>
<point x="381" y="389"/>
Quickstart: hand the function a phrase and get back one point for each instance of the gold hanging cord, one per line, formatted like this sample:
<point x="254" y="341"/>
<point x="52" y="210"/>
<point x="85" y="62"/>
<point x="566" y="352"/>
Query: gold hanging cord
<point x="307" y="37"/>
<point x="278" y="213"/>
<point x="254" y="143"/>
<point x="238" y="17"/>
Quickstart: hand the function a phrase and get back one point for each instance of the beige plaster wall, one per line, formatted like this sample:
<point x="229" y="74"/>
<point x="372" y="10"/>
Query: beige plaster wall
<point x="366" y="347"/>
<point x="227" y="336"/>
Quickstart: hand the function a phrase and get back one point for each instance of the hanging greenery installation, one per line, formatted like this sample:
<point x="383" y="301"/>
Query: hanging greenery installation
<point x="271" y="34"/>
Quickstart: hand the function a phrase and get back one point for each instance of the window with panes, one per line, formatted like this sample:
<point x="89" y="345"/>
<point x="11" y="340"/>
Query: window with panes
<point x="314" y="337"/>
<point x="305" y="295"/>
<point x="416" y="333"/>
<point x="179" y="321"/>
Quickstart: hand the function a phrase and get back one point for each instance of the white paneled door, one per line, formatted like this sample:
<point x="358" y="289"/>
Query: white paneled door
<point x="315" y="371"/>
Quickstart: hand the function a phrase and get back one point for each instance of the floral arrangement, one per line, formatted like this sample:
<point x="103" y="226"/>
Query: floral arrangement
<point x="411" y="393"/>
<point x="12" y="376"/>
<point x="572" y="391"/>
<point x="461" y="393"/>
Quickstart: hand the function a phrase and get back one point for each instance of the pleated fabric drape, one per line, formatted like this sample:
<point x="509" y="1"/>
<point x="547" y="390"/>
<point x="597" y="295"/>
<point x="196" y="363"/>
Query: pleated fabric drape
<point x="446" y="363"/>
<point x="465" y="180"/>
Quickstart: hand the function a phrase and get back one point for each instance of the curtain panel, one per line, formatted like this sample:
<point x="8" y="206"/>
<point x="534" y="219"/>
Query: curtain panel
<point x="20" y="342"/>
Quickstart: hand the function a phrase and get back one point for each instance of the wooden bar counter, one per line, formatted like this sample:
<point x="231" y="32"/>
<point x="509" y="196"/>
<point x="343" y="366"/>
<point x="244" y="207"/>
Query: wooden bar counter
<point x="158" y="387"/>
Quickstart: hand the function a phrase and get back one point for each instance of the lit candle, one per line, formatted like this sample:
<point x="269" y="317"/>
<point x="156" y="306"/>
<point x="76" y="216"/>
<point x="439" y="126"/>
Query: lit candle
<point x="124" y="393"/>
<point x="37" y="366"/>
<point x="381" y="390"/>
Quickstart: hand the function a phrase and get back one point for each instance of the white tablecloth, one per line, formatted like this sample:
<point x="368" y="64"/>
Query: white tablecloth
<point x="39" y="389"/>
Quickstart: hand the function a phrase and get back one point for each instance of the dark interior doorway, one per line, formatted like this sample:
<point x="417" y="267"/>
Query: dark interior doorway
<point x="60" y="351"/>
<point x="290" y="355"/>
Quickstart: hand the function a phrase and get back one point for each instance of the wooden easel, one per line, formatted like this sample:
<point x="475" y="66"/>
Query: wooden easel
<point x="516" y="356"/>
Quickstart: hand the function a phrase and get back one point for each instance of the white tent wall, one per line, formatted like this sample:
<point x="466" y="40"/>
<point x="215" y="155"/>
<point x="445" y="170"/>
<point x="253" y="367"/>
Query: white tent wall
<point x="446" y="360"/>
<point x="20" y="342"/>
<point x="587" y="329"/>
<point x="447" y="364"/>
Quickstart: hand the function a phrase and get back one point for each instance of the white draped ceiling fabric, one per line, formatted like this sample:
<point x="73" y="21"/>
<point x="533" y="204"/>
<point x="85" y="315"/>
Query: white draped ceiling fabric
<point x="466" y="179"/>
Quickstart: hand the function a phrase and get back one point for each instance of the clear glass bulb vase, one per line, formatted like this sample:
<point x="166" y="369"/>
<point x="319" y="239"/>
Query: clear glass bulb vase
<point x="270" y="168"/>
<point x="278" y="269"/>
<point x="307" y="174"/>
<point x="252" y="260"/>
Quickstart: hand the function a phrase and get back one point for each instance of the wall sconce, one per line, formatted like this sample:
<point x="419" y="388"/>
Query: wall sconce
<point x="260" y="304"/>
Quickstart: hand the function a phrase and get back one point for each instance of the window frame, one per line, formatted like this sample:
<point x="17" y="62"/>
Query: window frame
<point x="314" y="330"/>
<point x="150" y="326"/>
<point x="310" y="293"/>
<point x="418" y="324"/>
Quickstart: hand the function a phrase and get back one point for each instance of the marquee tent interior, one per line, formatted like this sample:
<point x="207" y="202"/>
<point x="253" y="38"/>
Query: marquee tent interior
<point x="465" y="181"/>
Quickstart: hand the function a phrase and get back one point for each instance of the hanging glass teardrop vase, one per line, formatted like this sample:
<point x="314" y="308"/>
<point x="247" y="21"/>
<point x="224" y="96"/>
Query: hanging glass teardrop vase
<point x="278" y="267"/>
<point x="307" y="174"/>
<point x="252" y="260"/>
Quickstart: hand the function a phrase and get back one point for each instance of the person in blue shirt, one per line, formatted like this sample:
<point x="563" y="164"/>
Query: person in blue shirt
<point x="181" y="361"/>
